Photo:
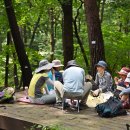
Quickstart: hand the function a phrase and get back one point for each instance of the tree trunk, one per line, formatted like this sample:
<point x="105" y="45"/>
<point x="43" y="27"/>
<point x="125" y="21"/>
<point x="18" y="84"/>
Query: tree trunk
<point x="78" y="37"/>
<point x="7" y="60"/>
<point x="19" y="45"/>
<point x="102" y="10"/>
<point x="52" y="37"/>
<point x="96" y="43"/>
<point x="16" y="80"/>
<point x="67" y="31"/>
<point x="34" y="31"/>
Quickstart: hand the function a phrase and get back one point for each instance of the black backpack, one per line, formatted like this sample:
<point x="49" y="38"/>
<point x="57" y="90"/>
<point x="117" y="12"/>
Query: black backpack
<point x="111" y="108"/>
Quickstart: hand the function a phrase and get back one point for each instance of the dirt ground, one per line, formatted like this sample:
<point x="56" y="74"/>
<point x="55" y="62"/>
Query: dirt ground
<point x="48" y="115"/>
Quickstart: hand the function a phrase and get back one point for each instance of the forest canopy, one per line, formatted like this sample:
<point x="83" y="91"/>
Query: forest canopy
<point x="60" y="29"/>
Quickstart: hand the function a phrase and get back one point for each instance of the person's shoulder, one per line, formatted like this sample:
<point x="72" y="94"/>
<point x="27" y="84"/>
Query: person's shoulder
<point x="107" y="73"/>
<point x="44" y="75"/>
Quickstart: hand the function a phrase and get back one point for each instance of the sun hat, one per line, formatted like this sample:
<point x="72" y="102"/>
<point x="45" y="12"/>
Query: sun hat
<point x="124" y="71"/>
<point x="102" y="64"/>
<point x="71" y="63"/>
<point x="57" y="63"/>
<point x="44" y="65"/>
<point x="128" y="78"/>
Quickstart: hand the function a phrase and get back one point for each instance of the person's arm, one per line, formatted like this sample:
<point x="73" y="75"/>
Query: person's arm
<point x="96" y="79"/>
<point x="83" y="77"/>
<point x="108" y="84"/>
<point x="49" y="82"/>
<point x="125" y="91"/>
<point x="38" y="86"/>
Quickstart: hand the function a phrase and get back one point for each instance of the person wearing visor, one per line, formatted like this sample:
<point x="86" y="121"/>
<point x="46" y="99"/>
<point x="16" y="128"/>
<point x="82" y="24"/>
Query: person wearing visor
<point x="103" y="79"/>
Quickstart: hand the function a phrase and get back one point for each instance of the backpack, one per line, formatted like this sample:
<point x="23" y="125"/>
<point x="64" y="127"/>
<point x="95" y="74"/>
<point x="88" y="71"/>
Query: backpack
<point x="6" y="96"/>
<point x="111" y="108"/>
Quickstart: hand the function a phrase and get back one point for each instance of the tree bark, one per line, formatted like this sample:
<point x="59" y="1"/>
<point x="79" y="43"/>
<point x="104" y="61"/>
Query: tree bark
<point x="19" y="45"/>
<point x="96" y="42"/>
<point x="7" y="60"/>
<point x="67" y="31"/>
<point x="52" y="37"/>
<point x="78" y="37"/>
<point x="16" y="80"/>
<point x="34" y="31"/>
<point x="102" y="10"/>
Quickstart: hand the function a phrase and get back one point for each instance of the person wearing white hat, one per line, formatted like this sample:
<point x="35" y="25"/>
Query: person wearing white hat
<point x="39" y="80"/>
<point x="55" y="75"/>
<point x="57" y="66"/>
<point x="124" y="95"/>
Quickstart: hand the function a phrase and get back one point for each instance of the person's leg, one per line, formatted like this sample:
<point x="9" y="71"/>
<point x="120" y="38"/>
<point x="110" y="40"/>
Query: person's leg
<point x="59" y="91"/>
<point x="87" y="88"/>
<point x="45" y="99"/>
<point x="124" y="98"/>
<point x="48" y="99"/>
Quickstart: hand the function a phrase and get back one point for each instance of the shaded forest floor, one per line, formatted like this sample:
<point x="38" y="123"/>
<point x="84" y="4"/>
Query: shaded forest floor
<point x="48" y="115"/>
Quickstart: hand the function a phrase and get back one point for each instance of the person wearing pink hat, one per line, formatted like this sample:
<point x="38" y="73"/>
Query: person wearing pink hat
<point x="120" y="82"/>
<point x="122" y="76"/>
<point x="124" y="95"/>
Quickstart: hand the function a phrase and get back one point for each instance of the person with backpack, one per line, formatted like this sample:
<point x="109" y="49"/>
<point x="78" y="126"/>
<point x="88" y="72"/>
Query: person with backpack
<point x="103" y="80"/>
<point x="37" y="89"/>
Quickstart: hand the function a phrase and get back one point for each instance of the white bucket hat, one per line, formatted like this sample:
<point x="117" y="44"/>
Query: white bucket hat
<point x="128" y="78"/>
<point x="57" y="63"/>
<point x="44" y="65"/>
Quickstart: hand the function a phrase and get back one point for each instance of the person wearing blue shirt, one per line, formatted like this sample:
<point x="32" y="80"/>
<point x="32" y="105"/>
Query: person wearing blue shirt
<point x="73" y="82"/>
<point x="55" y="75"/>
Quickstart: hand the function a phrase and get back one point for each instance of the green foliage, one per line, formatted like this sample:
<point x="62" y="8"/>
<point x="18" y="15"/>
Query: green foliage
<point x="51" y="127"/>
<point x="115" y="28"/>
<point x="116" y="34"/>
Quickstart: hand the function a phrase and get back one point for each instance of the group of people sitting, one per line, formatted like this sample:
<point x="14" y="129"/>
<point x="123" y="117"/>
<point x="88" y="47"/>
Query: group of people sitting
<point x="49" y="83"/>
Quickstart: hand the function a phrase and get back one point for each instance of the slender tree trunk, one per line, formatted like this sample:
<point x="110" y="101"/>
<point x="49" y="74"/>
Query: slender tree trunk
<point x="7" y="60"/>
<point x="52" y="38"/>
<point x="102" y="10"/>
<point x="1" y="39"/>
<point x="78" y="37"/>
<point x="25" y="35"/>
<point x="96" y="43"/>
<point x="19" y="45"/>
<point x="34" y="31"/>
<point x="16" y="80"/>
<point x="67" y="31"/>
